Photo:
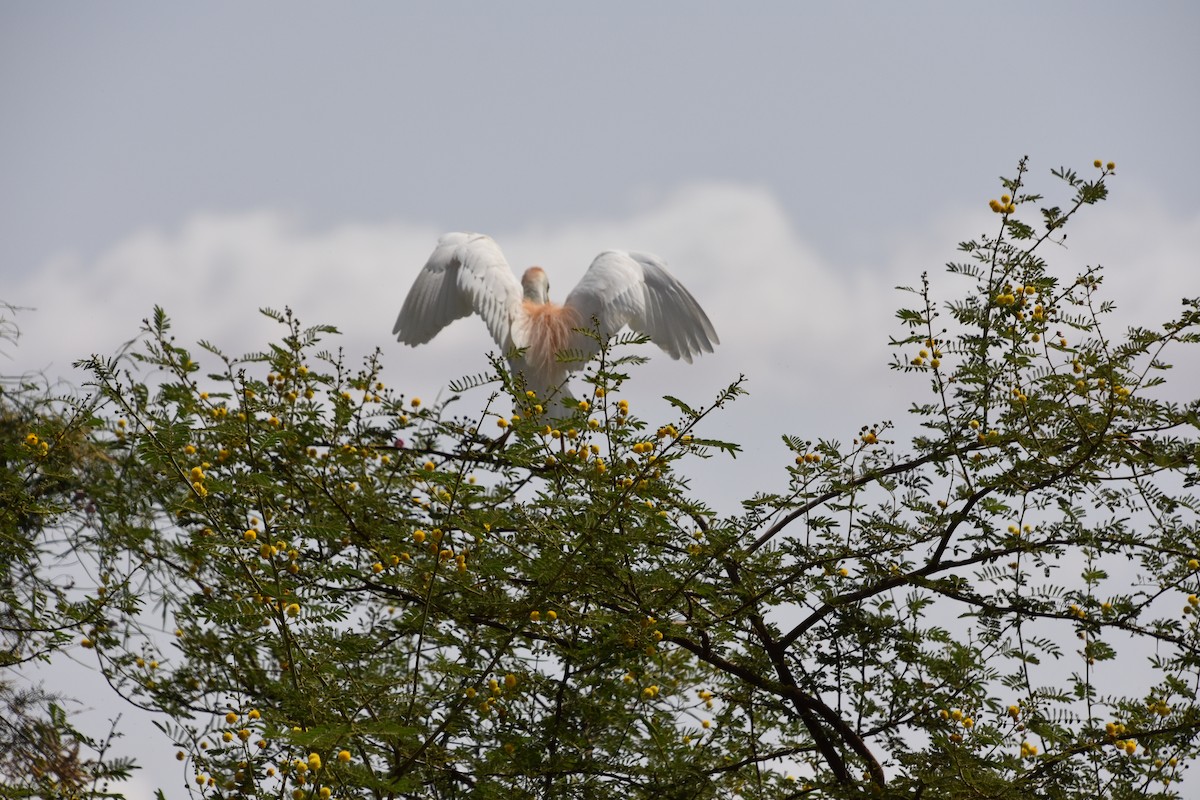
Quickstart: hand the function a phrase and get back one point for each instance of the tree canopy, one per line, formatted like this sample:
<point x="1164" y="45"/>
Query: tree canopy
<point x="331" y="589"/>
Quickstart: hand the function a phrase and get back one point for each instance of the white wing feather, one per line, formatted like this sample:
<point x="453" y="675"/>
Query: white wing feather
<point x="635" y="289"/>
<point x="465" y="273"/>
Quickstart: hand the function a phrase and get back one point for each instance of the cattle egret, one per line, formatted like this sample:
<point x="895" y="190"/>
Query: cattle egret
<point x="467" y="273"/>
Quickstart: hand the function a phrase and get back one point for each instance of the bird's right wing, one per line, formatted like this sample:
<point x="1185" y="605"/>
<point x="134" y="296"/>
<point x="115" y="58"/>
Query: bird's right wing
<point x="635" y="289"/>
<point x="466" y="272"/>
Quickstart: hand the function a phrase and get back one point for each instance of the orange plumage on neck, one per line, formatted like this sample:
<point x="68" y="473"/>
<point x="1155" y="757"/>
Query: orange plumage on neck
<point x="550" y="327"/>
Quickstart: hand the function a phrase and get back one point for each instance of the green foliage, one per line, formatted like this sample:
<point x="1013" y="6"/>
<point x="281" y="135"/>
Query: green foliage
<point x="42" y="755"/>
<point x="46" y="462"/>
<point x="367" y="595"/>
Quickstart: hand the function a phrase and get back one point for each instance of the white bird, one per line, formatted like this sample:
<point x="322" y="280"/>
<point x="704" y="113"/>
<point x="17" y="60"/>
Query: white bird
<point x="467" y="273"/>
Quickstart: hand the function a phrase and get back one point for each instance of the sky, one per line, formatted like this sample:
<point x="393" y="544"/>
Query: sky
<point x="792" y="162"/>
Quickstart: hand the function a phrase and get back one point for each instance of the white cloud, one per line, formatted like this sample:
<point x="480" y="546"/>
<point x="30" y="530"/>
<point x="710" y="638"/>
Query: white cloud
<point x="732" y="245"/>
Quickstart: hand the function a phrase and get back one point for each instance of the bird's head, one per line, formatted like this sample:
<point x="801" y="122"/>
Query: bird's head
<point x="536" y="285"/>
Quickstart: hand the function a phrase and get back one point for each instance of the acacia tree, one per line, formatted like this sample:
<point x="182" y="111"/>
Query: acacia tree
<point x="45" y="459"/>
<point x="367" y="596"/>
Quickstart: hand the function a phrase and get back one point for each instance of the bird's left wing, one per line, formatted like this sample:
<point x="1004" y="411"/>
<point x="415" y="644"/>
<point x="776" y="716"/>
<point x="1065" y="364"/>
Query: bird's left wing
<point x="635" y="289"/>
<point x="465" y="273"/>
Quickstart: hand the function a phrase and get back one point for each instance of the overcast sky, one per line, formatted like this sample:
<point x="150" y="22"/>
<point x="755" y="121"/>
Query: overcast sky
<point x="792" y="162"/>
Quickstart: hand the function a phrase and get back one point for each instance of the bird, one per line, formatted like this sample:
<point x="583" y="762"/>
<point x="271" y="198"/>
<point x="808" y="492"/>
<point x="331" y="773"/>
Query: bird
<point x="467" y="273"/>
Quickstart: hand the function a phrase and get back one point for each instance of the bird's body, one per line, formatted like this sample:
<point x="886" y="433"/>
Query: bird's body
<point x="467" y="274"/>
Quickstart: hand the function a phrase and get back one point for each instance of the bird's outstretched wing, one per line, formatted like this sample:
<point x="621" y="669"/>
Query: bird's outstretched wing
<point x="635" y="289"/>
<point x="466" y="273"/>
